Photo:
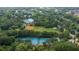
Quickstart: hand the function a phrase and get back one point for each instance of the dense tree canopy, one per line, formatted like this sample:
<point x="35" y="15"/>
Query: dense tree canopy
<point x="59" y="24"/>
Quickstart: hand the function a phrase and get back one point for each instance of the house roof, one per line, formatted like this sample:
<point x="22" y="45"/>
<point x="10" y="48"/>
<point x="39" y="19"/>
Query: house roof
<point x="30" y="20"/>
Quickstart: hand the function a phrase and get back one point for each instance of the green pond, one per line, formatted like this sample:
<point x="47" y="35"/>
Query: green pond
<point x="34" y="40"/>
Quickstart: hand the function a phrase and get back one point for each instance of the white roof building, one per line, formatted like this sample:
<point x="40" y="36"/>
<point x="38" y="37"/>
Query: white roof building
<point x="30" y="20"/>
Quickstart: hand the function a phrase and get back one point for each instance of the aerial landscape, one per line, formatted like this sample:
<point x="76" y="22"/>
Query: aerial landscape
<point x="39" y="29"/>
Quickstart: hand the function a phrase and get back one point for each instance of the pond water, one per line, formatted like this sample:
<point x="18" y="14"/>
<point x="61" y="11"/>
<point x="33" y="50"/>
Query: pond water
<point x="34" y="40"/>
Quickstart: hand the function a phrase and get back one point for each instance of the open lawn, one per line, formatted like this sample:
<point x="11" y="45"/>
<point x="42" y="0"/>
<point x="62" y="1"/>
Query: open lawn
<point x="42" y="29"/>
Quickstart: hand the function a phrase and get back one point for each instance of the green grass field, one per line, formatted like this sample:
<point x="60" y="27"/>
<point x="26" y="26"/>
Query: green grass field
<point x="42" y="29"/>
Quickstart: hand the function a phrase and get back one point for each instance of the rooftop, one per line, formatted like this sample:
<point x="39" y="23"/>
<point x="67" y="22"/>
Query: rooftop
<point x="30" y="20"/>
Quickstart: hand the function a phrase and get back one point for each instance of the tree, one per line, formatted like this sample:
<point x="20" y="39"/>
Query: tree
<point x="65" y="46"/>
<point x="6" y="40"/>
<point x="22" y="47"/>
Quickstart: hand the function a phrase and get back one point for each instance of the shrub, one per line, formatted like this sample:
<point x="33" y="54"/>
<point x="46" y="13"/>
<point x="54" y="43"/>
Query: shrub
<point x="65" y="46"/>
<point x="6" y="40"/>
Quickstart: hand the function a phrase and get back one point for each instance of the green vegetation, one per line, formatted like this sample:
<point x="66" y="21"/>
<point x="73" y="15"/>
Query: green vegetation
<point x="64" y="46"/>
<point x="60" y="25"/>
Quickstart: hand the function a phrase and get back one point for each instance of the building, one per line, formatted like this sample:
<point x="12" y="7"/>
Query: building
<point x="29" y="24"/>
<point x="29" y="21"/>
